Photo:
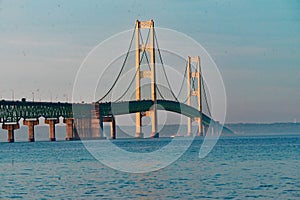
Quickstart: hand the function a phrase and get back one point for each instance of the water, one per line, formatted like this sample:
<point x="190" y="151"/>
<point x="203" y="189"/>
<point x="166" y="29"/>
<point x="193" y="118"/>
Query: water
<point x="238" y="168"/>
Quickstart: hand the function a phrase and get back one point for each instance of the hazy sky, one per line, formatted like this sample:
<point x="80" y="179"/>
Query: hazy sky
<point x="255" y="44"/>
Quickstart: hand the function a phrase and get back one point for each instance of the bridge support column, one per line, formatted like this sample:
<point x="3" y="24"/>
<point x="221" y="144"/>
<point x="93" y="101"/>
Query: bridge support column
<point x="112" y="122"/>
<point x="205" y="130"/>
<point x="10" y="128"/>
<point x="52" y="123"/>
<point x="149" y="74"/>
<point x="30" y="124"/>
<point x="69" y="128"/>
<point x="113" y="129"/>
<point x="154" y="133"/>
<point x="189" y="126"/>
<point x="195" y="76"/>
<point x="216" y="128"/>
<point x="98" y="115"/>
<point x="199" y="128"/>
<point x="138" y="121"/>
<point x="101" y="127"/>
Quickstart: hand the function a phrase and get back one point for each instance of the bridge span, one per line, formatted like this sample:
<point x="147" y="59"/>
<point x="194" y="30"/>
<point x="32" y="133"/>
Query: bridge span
<point x="80" y="117"/>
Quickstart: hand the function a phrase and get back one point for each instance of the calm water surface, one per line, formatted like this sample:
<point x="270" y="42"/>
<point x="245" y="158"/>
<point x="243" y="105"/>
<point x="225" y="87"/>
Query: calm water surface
<point x="237" y="168"/>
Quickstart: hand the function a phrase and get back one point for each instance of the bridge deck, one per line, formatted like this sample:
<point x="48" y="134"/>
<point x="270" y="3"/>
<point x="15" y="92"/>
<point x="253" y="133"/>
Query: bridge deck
<point x="127" y="107"/>
<point x="13" y="111"/>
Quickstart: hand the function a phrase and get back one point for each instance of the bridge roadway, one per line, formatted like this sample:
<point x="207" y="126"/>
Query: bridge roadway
<point x="127" y="107"/>
<point x="12" y="111"/>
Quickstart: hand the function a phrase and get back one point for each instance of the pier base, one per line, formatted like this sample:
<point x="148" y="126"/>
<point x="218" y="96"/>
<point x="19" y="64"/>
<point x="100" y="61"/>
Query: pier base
<point x="112" y="122"/>
<point x="139" y="135"/>
<point x="205" y="130"/>
<point x="154" y="135"/>
<point x="199" y="127"/>
<point x="101" y="133"/>
<point x="113" y="129"/>
<point x="189" y="127"/>
<point x="10" y="128"/>
<point x="69" y="128"/>
<point x="31" y="124"/>
<point x="138" y="125"/>
<point x="52" y="123"/>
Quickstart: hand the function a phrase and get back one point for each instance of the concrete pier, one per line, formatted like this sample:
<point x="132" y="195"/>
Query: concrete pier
<point x="189" y="126"/>
<point x="154" y="135"/>
<point x="52" y="122"/>
<point x="138" y="124"/>
<point x="112" y="122"/>
<point x="205" y="130"/>
<point x="101" y="131"/>
<point x="10" y="128"/>
<point x="31" y="124"/>
<point x="113" y="129"/>
<point x="199" y="128"/>
<point x="69" y="128"/>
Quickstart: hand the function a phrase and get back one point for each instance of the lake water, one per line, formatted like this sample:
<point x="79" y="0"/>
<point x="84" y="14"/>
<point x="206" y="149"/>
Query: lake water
<point x="257" y="167"/>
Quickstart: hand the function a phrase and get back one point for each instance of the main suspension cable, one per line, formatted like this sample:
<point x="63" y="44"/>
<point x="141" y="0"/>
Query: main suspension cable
<point x="123" y="65"/>
<point x="160" y="56"/>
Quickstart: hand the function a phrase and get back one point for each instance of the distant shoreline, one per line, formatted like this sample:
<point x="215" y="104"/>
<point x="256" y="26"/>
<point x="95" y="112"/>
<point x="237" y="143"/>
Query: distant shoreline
<point x="232" y="129"/>
<point x="264" y="128"/>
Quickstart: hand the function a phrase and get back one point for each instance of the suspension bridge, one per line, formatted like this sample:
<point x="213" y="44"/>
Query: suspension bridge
<point x="144" y="100"/>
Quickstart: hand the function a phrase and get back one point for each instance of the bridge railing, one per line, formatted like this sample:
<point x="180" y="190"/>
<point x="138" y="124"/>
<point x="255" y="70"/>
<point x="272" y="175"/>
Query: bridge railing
<point x="13" y="111"/>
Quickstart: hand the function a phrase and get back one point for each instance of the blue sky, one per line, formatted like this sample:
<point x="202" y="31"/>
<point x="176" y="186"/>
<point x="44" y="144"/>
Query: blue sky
<point x="255" y="44"/>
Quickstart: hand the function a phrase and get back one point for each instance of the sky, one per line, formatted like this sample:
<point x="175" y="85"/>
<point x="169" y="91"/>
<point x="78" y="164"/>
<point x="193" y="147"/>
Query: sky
<point x="255" y="44"/>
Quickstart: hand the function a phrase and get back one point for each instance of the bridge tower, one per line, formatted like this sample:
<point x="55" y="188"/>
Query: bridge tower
<point x="150" y="74"/>
<point x="196" y="91"/>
